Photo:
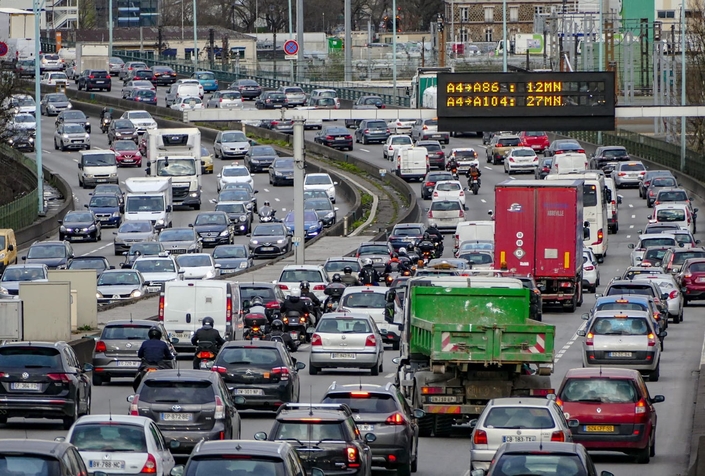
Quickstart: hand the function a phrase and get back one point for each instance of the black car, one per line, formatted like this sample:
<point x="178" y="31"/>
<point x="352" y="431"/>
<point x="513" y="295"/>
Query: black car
<point x="97" y="263"/>
<point x="240" y="216"/>
<point x="271" y="294"/>
<point x="325" y="436"/>
<point x="242" y="457"/>
<point x="607" y="154"/>
<point x="375" y="101"/>
<point x="270" y="239"/>
<point x="324" y="209"/>
<point x="80" y="225"/>
<point x="144" y="248"/>
<point x="122" y="129"/>
<point x="260" y="157"/>
<point x="54" y="254"/>
<point x="535" y="457"/>
<point x="563" y="146"/>
<point x="372" y="130"/>
<point x="543" y="169"/>
<point x="247" y="87"/>
<point x="436" y="156"/>
<point x="73" y="117"/>
<point x="19" y="140"/>
<point x="163" y="76"/>
<point x="260" y="374"/>
<point x="43" y="380"/>
<point x="53" y="457"/>
<point x="335" y="137"/>
<point x="285" y="126"/>
<point x="143" y="75"/>
<point x="281" y="172"/>
<point x="271" y="100"/>
<point x="214" y="228"/>
<point x="94" y="79"/>
<point x="188" y="406"/>
<point x="429" y="183"/>
<point x="406" y="235"/>
<point x="232" y="258"/>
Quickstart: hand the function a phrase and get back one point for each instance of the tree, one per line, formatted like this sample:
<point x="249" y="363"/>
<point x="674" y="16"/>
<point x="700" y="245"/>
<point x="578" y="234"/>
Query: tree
<point x="87" y="17"/>
<point x="9" y="85"/>
<point x="695" y="64"/>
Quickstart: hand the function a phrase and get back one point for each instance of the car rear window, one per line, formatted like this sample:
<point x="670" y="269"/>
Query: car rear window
<point x="438" y="177"/>
<point x="109" y="437"/>
<point x="30" y="358"/>
<point x="680" y="258"/>
<point x="267" y="294"/>
<point x="630" y="289"/>
<point x="364" y="402"/>
<point x="367" y="300"/>
<point x="445" y="206"/>
<point x="696" y="268"/>
<point x="298" y="275"/>
<point x="195" y="392"/>
<point x="304" y="431"/>
<point x="663" y="182"/>
<point x="508" y="142"/>
<point x="256" y="356"/>
<point x="621" y="306"/>
<point x="377" y="124"/>
<point x="431" y="147"/>
<point x="29" y="464"/>
<point x="408" y="231"/>
<point x="338" y="266"/>
<point x="477" y="258"/>
<point x="545" y="464"/>
<point x="449" y="187"/>
<point x="344" y="326"/>
<point x="670" y="215"/>
<point x="654" y="253"/>
<point x="373" y="250"/>
<point x="519" y="418"/>
<point x="222" y="465"/>
<point x="431" y="122"/>
<point x="601" y="390"/>
<point x="620" y="326"/>
<point x="648" y="242"/>
<point x="678" y="196"/>
<point x="632" y="167"/>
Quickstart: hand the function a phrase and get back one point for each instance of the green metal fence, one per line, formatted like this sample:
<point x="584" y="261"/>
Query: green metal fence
<point x="22" y="211"/>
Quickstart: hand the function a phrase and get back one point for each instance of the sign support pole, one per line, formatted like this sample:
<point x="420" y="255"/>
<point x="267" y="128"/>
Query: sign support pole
<point x="299" y="232"/>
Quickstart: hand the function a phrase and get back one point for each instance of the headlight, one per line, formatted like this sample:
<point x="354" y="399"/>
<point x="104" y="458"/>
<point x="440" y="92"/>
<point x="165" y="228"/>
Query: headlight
<point x="210" y="274"/>
<point x="193" y="246"/>
<point x="330" y="215"/>
<point x="87" y="136"/>
<point x="279" y="242"/>
<point x="66" y="136"/>
<point x="10" y="141"/>
<point x="255" y="242"/>
<point x="69" y="106"/>
<point x="243" y="217"/>
<point x="62" y="228"/>
<point x="89" y="175"/>
<point x="113" y="174"/>
<point x="31" y="140"/>
<point x="243" y="264"/>
<point x="224" y="233"/>
<point x="98" y="295"/>
<point x="116" y="214"/>
<point x="160" y="221"/>
<point x="136" y="293"/>
<point x="193" y="194"/>
<point x="278" y="174"/>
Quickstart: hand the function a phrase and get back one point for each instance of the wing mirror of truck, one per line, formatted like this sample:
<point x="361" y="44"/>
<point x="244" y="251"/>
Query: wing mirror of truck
<point x="586" y="230"/>
<point x="390" y="295"/>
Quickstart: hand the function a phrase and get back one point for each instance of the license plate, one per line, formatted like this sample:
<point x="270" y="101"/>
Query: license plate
<point x="620" y="354"/>
<point x="366" y="427"/>
<point x="517" y="439"/>
<point x="700" y="280"/>
<point x="209" y="239"/>
<point x="128" y="364"/>
<point x="436" y="136"/>
<point x="176" y="416"/>
<point x="599" y="428"/>
<point x="342" y="356"/>
<point x="294" y="334"/>
<point x="154" y="289"/>
<point x="267" y="248"/>
<point x="128" y="160"/>
<point x="100" y="82"/>
<point x="249" y="391"/>
<point x="442" y="399"/>
<point x="340" y="138"/>
<point x="182" y="335"/>
<point x="106" y="464"/>
<point x="277" y="106"/>
<point x="101" y="180"/>
<point x="25" y="386"/>
<point x="228" y="271"/>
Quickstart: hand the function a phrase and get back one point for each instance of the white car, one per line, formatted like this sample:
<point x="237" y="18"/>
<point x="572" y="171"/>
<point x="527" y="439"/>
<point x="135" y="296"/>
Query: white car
<point x="194" y="82"/>
<point x="668" y="285"/>
<point x="156" y="270"/>
<point x="292" y="275"/>
<point x="197" y="266"/>
<point x="54" y="79"/>
<point x="464" y="157"/>
<point x="121" y="443"/>
<point x="371" y="300"/>
<point x="674" y="213"/>
<point x="401" y="126"/>
<point x="187" y="104"/>
<point x="394" y="142"/>
<point x="521" y="159"/>
<point x="449" y="190"/>
<point x="591" y="272"/>
<point x="234" y="174"/>
<point x="445" y="214"/>
<point x="20" y="103"/>
<point x="142" y="120"/>
<point x="320" y="182"/>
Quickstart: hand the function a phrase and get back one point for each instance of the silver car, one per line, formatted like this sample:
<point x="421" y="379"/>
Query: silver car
<point x="346" y="339"/>
<point x="628" y="174"/>
<point x="52" y="104"/>
<point x="135" y="85"/>
<point x="71" y="136"/>
<point x="231" y="145"/>
<point x="626" y="339"/>
<point x="646" y="241"/>
<point x="668" y="285"/>
<point x="156" y="270"/>
<point x="515" y="420"/>
<point x="131" y="232"/>
<point x="115" y="65"/>
<point x="180" y="240"/>
<point x="119" y="284"/>
<point x="225" y="99"/>
<point x="295" y="96"/>
<point x="22" y="273"/>
<point x="22" y="122"/>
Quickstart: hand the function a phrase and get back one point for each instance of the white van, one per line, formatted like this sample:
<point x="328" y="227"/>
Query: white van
<point x="97" y="166"/>
<point x="184" y="304"/>
<point x="570" y="163"/>
<point x="411" y="162"/>
<point x="613" y="201"/>
<point x="480" y="231"/>
<point x="183" y="89"/>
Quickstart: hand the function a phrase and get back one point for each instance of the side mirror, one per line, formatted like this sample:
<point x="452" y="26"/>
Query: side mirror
<point x="473" y="423"/>
<point x="300" y="366"/>
<point x="130" y="398"/>
<point x="176" y="470"/>
<point x="606" y="473"/>
<point x="658" y="399"/>
<point x="418" y="413"/>
<point x="85" y="206"/>
<point x="80" y="166"/>
<point x="370" y="437"/>
<point x="122" y="208"/>
<point x="598" y="295"/>
<point x="585" y="316"/>
<point x="60" y="221"/>
<point x="60" y="438"/>
<point x="383" y="332"/>
<point x="12" y="247"/>
<point x="663" y="334"/>
<point x="477" y="472"/>
<point x="248" y="235"/>
<point x="619" y="199"/>
<point x="190" y="225"/>
<point x="336" y="183"/>
<point x="581" y="333"/>
<point x="261" y="436"/>
<point x="631" y="246"/>
<point x="664" y="296"/>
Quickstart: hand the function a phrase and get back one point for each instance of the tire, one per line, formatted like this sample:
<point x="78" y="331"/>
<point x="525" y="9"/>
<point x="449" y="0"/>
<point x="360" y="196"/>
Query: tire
<point x="643" y="456"/>
<point x="61" y="147"/>
<point x="677" y="319"/>
<point x="97" y="380"/>
<point x="56" y="147"/>
<point x="374" y="371"/>
<point x="655" y="374"/>
<point x="414" y="463"/>
<point x="381" y="367"/>
<point x="442" y="425"/>
<point x="197" y="207"/>
<point x="312" y="370"/>
<point x="572" y="306"/>
<point x="580" y="299"/>
<point x="88" y="405"/>
<point x="70" y="420"/>
<point x="404" y="469"/>
<point x="395" y="345"/>
<point x="109" y="89"/>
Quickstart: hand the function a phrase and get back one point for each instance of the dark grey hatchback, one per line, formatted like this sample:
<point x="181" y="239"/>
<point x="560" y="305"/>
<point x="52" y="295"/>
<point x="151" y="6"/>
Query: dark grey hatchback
<point x="372" y="130"/>
<point x="188" y="406"/>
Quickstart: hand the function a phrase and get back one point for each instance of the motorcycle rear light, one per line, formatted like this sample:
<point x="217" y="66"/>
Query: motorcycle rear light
<point x="150" y="467"/>
<point x="302" y="319"/>
<point x="371" y="341"/>
<point x="558" y="436"/>
<point x="219" y="409"/>
<point x="161" y="308"/>
<point x="219" y="369"/>
<point x="205" y="355"/>
<point x="282" y="372"/>
<point x="589" y="338"/>
<point x="316" y="340"/>
<point x="479" y="437"/>
<point x="395" y="418"/>
<point x="100" y="346"/>
<point x="59" y="378"/>
<point x="133" y="405"/>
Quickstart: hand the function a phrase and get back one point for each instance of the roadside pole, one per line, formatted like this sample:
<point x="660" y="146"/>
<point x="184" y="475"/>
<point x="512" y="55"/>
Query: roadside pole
<point x="299" y="232"/>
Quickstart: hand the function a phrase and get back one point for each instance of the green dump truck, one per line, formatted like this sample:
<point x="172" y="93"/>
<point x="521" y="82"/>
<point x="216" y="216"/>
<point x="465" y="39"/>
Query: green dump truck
<point x="467" y="340"/>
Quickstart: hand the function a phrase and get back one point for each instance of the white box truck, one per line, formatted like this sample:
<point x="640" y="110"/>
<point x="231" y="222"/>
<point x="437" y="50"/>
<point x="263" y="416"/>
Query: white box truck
<point x="176" y="153"/>
<point x="149" y="198"/>
<point x="92" y="56"/>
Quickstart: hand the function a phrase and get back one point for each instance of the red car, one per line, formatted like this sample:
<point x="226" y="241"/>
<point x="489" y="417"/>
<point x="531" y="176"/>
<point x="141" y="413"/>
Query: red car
<point x="614" y="408"/>
<point x="537" y="140"/>
<point x="127" y="153"/>
<point x="692" y="278"/>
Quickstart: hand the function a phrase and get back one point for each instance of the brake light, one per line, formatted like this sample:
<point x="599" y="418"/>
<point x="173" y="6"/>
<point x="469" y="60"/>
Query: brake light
<point x="150" y="467"/>
<point x="330" y="137"/>
<point x="91" y="76"/>
<point x="581" y="151"/>
<point x="219" y="369"/>
<point x="461" y="213"/>
<point x="558" y="436"/>
<point x="431" y="390"/>
<point x="229" y="310"/>
<point x="351" y="452"/>
<point x="558" y="152"/>
<point x="559" y="402"/>
<point x="395" y="418"/>
<point x="359" y="394"/>
<point x="435" y="194"/>
<point x="479" y="437"/>
<point x="425" y="127"/>
<point x="600" y="237"/>
<point x="589" y="268"/>
<point x="282" y="372"/>
<point x="219" y="409"/>
<point x="133" y="405"/>
<point x="565" y="284"/>
<point x="640" y="407"/>
<point x="366" y="131"/>
<point x="272" y="305"/>
<point x="462" y="194"/>
<point x="371" y="341"/>
<point x="589" y="338"/>
<point x="316" y="340"/>
<point x="59" y="378"/>
<point x="319" y="287"/>
<point x="429" y="184"/>
<point x="622" y="174"/>
<point x="430" y="214"/>
<point x="161" y="308"/>
<point x="100" y="346"/>
<point x="283" y="287"/>
<point x="652" y="339"/>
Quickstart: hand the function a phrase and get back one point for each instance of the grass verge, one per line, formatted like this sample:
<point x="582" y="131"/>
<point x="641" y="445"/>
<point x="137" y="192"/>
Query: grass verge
<point x="366" y="202"/>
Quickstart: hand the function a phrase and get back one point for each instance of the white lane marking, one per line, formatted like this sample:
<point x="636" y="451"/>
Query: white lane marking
<point x="629" y="236"/>
<point x="97" y="249"/>
<point x="483" y="200"/>
<point x="76" y="160"/>
<point x="631" y="226"/>
<point x="572" y="340"/>
<point x="633" y="216"/>
<point x="631" y="206"/>
<point x="276" y="199"/>
<point x="283" y="209"/>
<point x="365" y="150"/>
<point x="488" y="168"/>
<point x="702" y="355"/>
<point x="511" y="178"/>
<point x="46" y="151"/>
<point x="266" y="190"/>
<point x="389" y="375"/>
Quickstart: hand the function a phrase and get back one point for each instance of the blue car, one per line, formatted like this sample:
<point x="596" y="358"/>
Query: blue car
<point x="312" y="224"/>
<point x="628" y="302"/>
<point x="107" y="209"/>
<point x="207" y="80"/>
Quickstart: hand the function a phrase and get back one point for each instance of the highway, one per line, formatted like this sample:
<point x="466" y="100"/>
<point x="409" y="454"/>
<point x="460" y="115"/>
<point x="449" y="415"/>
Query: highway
<point x="680" y="362"/>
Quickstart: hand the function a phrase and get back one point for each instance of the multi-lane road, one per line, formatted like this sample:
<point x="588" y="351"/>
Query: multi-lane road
<point x="449" y="456"/>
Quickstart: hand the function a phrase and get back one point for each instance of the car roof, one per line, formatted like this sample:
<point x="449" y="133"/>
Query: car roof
<point x="671" y="206"/>
<point x="323" y="411"/>
<point x="343" y="258"/>
<point x="606" y="372"/>
<point x="245" y="447"/>
<point x="626" y="297"/>
<point x="127" y="322"/>
<point x="388" y="388"/>
<point x="412" y="225"/>
<point x="365" y="289"/>
<point x="181" y="374"/>
<point x="656" y="235"/>
<point x="257" y="284"/>
<point x="346" y="314"/>
<point x="520" y="401"/>
<point x="315" y="267"/>
<point x="254" y="343"/>
<point x="32" y="446"/>
<point x="542" y="446"/>
<point x="114" y="418"/>
<point x="25" y="343"/>
<point x="371" y="243"/>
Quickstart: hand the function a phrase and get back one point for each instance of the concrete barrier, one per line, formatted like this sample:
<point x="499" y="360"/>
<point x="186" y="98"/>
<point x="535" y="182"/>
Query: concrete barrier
<point x="83" y="348"/>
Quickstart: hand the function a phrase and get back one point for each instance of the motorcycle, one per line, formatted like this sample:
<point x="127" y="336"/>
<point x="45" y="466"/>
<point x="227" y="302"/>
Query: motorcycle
<point x="105" y="123"/>
<point x="474" y="185"/>
<point x="334" y="291"/>
<point x="427" y="250"/>
<point x="295" y="324"/>
<point x="266" y="215"/>
<point x="255" y="326"/>
<point x="205" y="353"/>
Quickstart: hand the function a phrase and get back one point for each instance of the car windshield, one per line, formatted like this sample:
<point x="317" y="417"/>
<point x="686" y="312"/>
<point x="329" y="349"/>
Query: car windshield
<point x="125" y="145"/>
<point x="672" y="196"/>
<point x="344" y="325"/>
<point x="268" y="230"/>
<point x="101" y="202"/>
<point x="99" y="160"/>
<point x="663" y="182"/>
<point x="207" y="76"/>
<point x="508" y="142"/>
<point x="401" y="140"/>
<point x="139" y="115"/>
<point x="235" y="172"/>
<point x="670" y="214"/>
<point x="136" y="203"/>
<point x="445" y="206"/>
<point x="545" y="464"/>
<point x="78" y="217"/>
<point x="298" y="275"/>
<point x="267" y="357"/>
<point x="364" y="300"/>
<point x="120" y="278"/>
<point x="249" y="292"/>
<point x="177" y="235"/>
<point x="318" y="180"/>
<point x="234" y="195"/>
<point x="262" y="151"/>
<point x="211" y="219"/>
<point x="231" y="208"/>
<point x="319" y="430"/>
<point x="25" y="118"/>
<point x="90" y="263"/>
<point x="373" y="250"/>
<point x="600" y="390"/>
<point x="647" y="242"/>
<point x="639" y="290"/>
<point x="284" y="164"/>
<point x="194" y="260"/>
<point x="100" y="437"/>
<point x="524" y="153"/>
<point x="449" y="187"/>
<point x="23" y="274"/>
<point x="56" y="98"/>
<point x="146" y="248"/>
<point x="46" y="251"/>
<point x="194" y="392"/>
<point x="519" y="418"/>
<point x="318" y="204"/>
<point x="176" y="167"/>
<point x="309" y="216"/>
<point x="123" y="124"/>
<point x="339" y="266"/>
<point x="30" y="358"/>
<point x="23" y="101"/>
<point x="219" y="465"/>
<point x="234" y="137"/>
<point x="16" y="464"/>
<point x="74" y="115"/>
<point x="230" y="252"/>
<point x="155" y="266"/>
<point x="74" y="129"/>
<point x="364" y="402"/>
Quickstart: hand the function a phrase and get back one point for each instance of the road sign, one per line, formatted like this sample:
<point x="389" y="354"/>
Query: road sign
<point x="3" y="48"/>
<point x="296" y="239"/>
<point x="291" y="47"/>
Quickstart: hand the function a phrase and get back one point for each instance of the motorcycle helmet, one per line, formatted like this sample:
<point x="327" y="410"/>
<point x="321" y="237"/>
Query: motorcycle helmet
<point x="336" y="278"/>
<point x="347" y="270"/>
<point x="154" y="333"/>
<point x="256" y="301"/>
<point x="208" y="322"/>
<point x="277" y="325"/>
<point x="266" y="203"/>
<point x="295" y="294"/>
<point x="305" y="285"/>
<point x="105" y="109"/>
<point x="366" y="262"/>
<point x="402" y="251"/>
<point x="395" y="255"/>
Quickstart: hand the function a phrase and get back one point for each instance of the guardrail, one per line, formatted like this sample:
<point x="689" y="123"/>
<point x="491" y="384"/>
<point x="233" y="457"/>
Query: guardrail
<point x="22" y="211"/>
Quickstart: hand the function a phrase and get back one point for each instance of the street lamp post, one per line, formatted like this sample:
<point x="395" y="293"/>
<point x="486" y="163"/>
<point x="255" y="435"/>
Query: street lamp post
<point x="110" y="29"/>
<point x="504" y="35"/>
<point x="683" y="90"/>
<point x="37" y="7"/>
<point x="394" y="46"/>
<point x="195" y="37"/>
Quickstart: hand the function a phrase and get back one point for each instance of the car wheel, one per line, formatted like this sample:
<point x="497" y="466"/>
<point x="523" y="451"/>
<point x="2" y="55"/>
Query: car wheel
<point x="655" y="374"/>
<point x="109" y="89"/>
<point x="395" y="345"/>
<point x="56" y="147"/>
<point x="312" y="370"/>
<point x="88" y="405"/>
<point x="374" y="371"/>
<point x="677" y="319"/>
<point x="414" y="462"/>
<point x="643" y="456"/>
<point x="69" y="420"/>
<point x="404" y="469"/>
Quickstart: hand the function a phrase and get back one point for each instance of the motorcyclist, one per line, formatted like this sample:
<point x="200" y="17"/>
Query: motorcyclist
<point x="333" y="295"/>
<point x="474" y="173"/>
<point x="207" y="333"/>
<point x="266" y="209"/>
<point x="306" y="292"/>
<point x="368" y="275"/>
<point x="154" y="350"/>
<point x="404" y="258"/>
<point x="394" y="265"/>
<point x="336" y="278"/>
<point x="348" y="279"/>
<point x="294" y="303"/>
<point x="278" y="331"/>
<point x="104" y="113"/>
<point x="452" y="164"/>
<point x="256" y="306"/>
